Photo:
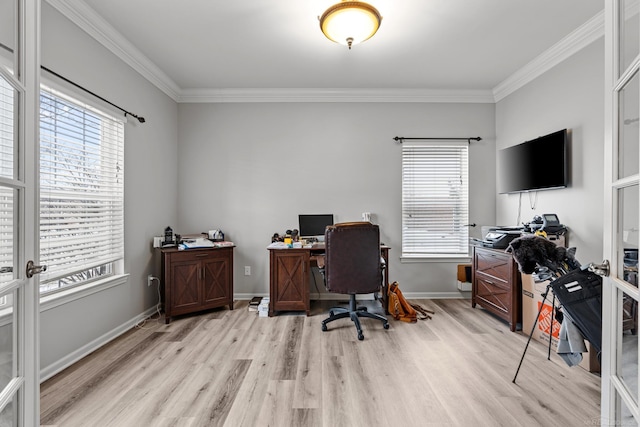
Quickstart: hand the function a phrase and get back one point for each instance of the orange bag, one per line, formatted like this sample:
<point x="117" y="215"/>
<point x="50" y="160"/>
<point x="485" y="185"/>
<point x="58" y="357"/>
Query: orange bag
<point x="399" y="307"/>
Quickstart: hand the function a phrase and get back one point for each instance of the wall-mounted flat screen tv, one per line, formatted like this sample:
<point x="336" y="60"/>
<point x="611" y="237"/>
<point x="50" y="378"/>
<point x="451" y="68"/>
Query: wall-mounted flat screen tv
<point x="539" y="164"/>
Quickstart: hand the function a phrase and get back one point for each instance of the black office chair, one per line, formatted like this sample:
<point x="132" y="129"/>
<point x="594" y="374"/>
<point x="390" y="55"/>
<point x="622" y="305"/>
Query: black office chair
<point x="353" y="266"/>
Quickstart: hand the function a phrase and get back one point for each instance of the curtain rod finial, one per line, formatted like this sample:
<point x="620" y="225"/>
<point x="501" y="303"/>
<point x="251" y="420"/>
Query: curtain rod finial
<point x="140" y="119"/>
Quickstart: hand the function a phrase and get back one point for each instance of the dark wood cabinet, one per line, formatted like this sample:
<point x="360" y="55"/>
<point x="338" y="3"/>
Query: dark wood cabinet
<point x="196" y="279"/>
<point x="497" y="286"/>
<point x="289" y="280"/>
<point x="289" y="272"/>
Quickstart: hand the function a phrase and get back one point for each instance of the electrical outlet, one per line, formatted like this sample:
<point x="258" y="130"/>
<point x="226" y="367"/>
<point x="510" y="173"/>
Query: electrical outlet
<point x="150" y="280"/>
<point x="247" y="270"/>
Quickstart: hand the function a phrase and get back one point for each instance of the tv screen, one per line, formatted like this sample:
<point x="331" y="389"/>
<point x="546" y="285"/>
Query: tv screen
<point x="314" y="225"/>
<point x="539" y="164"/>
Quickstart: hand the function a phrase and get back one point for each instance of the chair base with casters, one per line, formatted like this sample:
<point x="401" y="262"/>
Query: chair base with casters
<point x="354" y="313"/>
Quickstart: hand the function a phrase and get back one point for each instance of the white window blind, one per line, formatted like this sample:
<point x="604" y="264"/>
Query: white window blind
<point x="81" y="191"/>
<point x="435" y="199"/>
<point x="8" y="106"/>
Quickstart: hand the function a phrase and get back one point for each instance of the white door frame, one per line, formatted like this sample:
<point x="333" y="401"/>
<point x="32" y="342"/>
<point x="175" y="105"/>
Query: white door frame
<point x="614" y="392"/>
<point x="22" y="394"/>
<point x="31" y="308"/>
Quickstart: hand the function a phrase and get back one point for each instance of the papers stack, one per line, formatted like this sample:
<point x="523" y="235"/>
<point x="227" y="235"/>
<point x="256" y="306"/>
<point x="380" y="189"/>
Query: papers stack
<point x="278" y="245"/>
<point x="223" y="244"/>
<point x="254" y="303"/>
<point x="198" y="242"/>
<point x="263" y="307"/>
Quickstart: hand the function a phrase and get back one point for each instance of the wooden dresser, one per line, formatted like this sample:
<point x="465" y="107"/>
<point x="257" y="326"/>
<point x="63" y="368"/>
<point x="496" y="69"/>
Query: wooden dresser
<point x="497" y="286"/>
<point x="196" y="279"/>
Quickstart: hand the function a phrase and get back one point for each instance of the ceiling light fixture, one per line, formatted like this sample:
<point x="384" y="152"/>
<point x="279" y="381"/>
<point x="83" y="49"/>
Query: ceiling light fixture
<point x="350" y="22"/>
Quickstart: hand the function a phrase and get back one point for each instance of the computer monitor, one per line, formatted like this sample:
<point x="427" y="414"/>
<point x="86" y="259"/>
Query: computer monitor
<point x="313" y="226"/>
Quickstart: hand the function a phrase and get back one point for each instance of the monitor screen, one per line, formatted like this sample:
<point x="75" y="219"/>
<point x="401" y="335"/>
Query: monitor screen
<point x="314" y="225"/>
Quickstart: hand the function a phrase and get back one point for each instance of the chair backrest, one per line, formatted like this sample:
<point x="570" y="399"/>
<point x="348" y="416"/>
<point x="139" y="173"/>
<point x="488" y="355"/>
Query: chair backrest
<point x="352" y="258"/>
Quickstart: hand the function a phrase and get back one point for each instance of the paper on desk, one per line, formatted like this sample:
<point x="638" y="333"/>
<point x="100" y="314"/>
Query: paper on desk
<point x="278" y="245"/>
<point x="197" y="243"/>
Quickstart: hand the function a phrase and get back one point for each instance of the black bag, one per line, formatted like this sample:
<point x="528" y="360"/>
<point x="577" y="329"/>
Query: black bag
<point x="580" y="293"/>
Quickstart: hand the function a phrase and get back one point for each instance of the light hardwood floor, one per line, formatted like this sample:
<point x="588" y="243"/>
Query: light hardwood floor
<point x="232" y="368"/>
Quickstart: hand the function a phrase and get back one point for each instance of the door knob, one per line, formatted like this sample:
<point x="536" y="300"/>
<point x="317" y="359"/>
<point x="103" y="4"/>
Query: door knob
<point x="600" y="269"/>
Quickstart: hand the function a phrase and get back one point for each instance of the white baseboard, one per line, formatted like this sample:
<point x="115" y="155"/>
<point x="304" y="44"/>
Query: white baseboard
<point x="92" y="346"/>
<point x="328" y="296"/>
<point x="247" y="297"/>
<point x="436" y="295"/>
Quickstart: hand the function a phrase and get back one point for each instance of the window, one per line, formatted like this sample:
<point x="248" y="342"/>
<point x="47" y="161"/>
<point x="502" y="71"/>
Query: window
<point x="8" y="196"/>
<point x="435" y="199"/>
<point x="81" y="192"/>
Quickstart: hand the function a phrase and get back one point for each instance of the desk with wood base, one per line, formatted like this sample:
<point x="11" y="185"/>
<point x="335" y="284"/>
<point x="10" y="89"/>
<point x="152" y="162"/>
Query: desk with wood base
<point x="289" y="271"/>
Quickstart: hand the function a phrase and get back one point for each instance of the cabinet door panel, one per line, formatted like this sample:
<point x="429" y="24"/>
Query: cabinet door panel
<point x="184" y="286"/>
<point x="216" y="281"/>
<point x="291" y="273"/>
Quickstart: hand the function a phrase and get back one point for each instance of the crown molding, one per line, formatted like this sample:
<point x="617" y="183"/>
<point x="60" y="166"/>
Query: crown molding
<point x="577" y="40"/>
<point x="93" y="24"/>
<point x="334" y="95"/>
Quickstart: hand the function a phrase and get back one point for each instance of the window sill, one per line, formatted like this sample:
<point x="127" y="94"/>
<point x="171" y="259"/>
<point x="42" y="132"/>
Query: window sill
<point x="66" y="296"/>
<point x="57" y="299"/>
<point x="435" y="258"/>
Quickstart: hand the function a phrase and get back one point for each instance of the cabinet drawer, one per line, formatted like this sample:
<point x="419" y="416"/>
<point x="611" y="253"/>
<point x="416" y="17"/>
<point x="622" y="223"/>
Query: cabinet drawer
<point x="494" y="264"/>
<point x="194" y="255"/>
<point x="493" y="281"/>
<point x="497" y="297"/>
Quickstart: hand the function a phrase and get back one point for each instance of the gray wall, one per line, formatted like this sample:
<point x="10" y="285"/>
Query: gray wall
<point x="570" y="95"/>
<point x="251" y="168"/>
<point x="150" y="184"/>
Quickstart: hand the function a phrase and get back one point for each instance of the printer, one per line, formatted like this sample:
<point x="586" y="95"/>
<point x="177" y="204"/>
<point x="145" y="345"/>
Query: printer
<point x="499" y="237"/>
<point x="549" y="223"/>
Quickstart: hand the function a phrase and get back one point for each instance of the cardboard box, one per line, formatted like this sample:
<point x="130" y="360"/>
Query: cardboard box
<point x="531" y="302"/>
<point x="464" y="272"/>
<point x="464" y="286"/>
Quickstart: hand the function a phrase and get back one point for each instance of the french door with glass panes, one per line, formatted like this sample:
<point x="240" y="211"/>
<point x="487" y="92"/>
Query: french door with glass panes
<point x="620" y="403"/>
<point x="19" y="314"/>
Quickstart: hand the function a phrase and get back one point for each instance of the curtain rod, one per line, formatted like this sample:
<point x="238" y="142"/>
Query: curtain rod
<point x="400" y="139"/>
<point x="126" y="113"/>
